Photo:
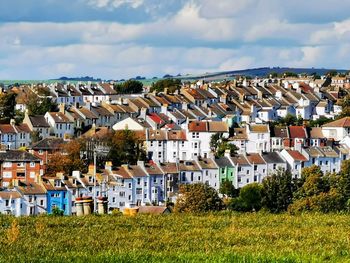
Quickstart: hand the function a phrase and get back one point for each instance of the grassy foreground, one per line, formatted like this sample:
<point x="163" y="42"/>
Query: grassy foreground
<point x="221" y="237"/>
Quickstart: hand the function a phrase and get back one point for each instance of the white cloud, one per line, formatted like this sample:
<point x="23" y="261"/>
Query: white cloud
<point x="111" y="4"/>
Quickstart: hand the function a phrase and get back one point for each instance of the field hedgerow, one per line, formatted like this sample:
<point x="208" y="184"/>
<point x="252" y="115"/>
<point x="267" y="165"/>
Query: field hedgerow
<point x="213" y="237"/>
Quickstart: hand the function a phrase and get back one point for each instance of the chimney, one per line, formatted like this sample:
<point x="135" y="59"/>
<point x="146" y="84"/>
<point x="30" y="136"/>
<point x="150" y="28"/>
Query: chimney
<point x="227" y="153"/>
<point x="62" y="108"/>
<point x="108" y="166"/>
<point x="13" y="122"/>
<point x="59" y="175"/>
<point x="38" y="179"/>
<point x="91" y="169"/>
<point x="166" y="90"/>
<point x="76" y="174"/>
<point x="15" y="182"/>
<point x="143" y="113"/>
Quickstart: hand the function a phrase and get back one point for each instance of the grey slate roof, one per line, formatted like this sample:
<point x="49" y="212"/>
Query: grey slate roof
<point x="48" y="144"/>
<point x="272" y="157"/>
<point x="39" y="121"/>
<point x="223" y="162"/>
<point x="16" y="155"/>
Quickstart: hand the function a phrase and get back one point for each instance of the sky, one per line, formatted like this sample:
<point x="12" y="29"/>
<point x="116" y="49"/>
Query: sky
<point x="114" y="39"/>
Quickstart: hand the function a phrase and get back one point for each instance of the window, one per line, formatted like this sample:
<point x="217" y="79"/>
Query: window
<point x="138" y="181"/>
<point x="129" y="197"/>
<point x="113" y="200"/>
<point x="129" y="185"/>
<point x="20" y="164"/>
<point x="7" y="164"/>
<point x="199" y="178"/>
<point x="255" y="167"/>
<point x="239" y="168"/>
<point x="326" y="162"/>
<point x="195" y="145"/>
<point x="321" y="162"/>
<point x="154" y="180"/>
<point x="138" y="191"/>
<point x="159" y="154"/>
<point x="160" y="144"/>
<point x="274" y="166"/>
<point x="7" y="174"/>
<point x="193" y="135"/>
<point x="183" y="176"/>
<point x="151" y="143"/>
<point x="42" y="202"/>
<point x="192" y="176"/>
<point x="296" y="166"/>
<point x="32" y="164"/>
<point x="145" y="195"/>
<point x="247" y="180"/>
<point x="91" y="179"/>
<point x="7" y="202"/>
<point x="248" y="171"/>
<point x="145" y="184"/>
<point x="57" y="183"/>
<point x="122" y="194"/>
<point x="121" y="204"/>
<point x="255" y="178"/>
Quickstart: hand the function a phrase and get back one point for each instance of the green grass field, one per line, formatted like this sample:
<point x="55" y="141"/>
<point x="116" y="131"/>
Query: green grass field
<point x="222" y="237"/>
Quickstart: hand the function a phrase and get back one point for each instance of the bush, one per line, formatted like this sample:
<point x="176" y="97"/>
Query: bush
<point x="249" y="198"/>
<point x="198" y="198"/>
<point x="57" y="212"/>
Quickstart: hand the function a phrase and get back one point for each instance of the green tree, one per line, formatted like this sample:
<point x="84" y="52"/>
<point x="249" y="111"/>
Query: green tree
<point x="7" y="105"/>
<point x="277" y="191"/>
<point x="39" y="105"/>
<point x="250" y="198"/>
<point x="219" y="145"/>
<point x="129" y="87"/>
<point x="35" y="136"/>
<point x="171" y="84"/>
<point x="228" y="189"/>
<point x="198" y="198"/>
<point x="125" y="148"/>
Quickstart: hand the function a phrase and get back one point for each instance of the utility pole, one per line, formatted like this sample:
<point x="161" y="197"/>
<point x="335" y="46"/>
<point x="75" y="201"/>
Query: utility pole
<point x="95" y="201"/>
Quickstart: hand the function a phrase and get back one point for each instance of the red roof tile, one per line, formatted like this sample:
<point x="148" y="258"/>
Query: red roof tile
<point x="297" y="132"/>
<point x="297" y="156"/>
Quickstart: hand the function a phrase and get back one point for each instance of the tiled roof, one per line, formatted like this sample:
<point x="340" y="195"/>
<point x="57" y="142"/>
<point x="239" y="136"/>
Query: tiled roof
<point x="16" y="155"/>
<point x="9" y="194"/>
<point x="152" y="168"/>
<point x="223" y="162"/>
<point x="259" y="128"/>
<point x="280" y="132"/>
<point x="272" y="157"/>
<point x="175" y="135"/>
<point x="297" y="132"/>
<point x="170" y="168"/>
<point x="316" y="133"/>
<point x="255" y="158"/>
<point x="51" y="143"/>
<point x="7" y="128"/>
<point x="59" y="117"/>
<point x="39" y="121"/>
<point x="188" y="166"/>
<point x="197" y="126"/>
<point x="296" y="155"/>
<point x="121" y="171"/>
<point x="207" y="163"/>
<point x="88" y="113"/>
<point x="30" y="188"/>
<point x="240" y="160"/>
<point x="343" y="122"/>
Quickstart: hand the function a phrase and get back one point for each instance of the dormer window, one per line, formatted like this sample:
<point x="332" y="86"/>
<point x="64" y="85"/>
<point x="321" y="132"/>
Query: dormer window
<point x="91" y="179"/>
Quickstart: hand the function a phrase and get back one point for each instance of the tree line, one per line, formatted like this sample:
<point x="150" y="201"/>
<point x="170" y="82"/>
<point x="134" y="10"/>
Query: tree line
<point x="280" y="192"/>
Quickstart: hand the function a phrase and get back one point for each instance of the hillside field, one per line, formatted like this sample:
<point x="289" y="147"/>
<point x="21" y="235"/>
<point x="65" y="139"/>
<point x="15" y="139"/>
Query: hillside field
<point x="217" y="237"/>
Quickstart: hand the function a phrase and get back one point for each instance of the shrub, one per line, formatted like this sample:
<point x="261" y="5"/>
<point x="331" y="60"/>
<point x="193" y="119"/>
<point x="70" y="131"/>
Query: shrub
<point x="198" y="198"/>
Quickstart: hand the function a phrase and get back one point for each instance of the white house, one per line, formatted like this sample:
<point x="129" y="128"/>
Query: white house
<point x="295" y="161"/>
<point x="337" y="129"/>
<point x="258" y="138"/>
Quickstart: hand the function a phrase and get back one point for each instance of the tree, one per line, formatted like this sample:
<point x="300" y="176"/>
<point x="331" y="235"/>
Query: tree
<point x="249" y="198"/>
<point x="129" y="87"/>
<point x="318" y="193"/>
<point x="171" y="84"/>
<point x="35" y="136"/>
<point x="67" y="161"/>
<point x="39" y="105"/>
<point x="228" y="189"/>
<point x="219" y="145"/>
<point x="198" y="198"/>
<point x="277" y="191"/>
<point x="125" y="148"/>
<point x="7" y="105"/>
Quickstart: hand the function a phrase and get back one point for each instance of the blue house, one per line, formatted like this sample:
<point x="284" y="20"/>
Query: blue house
<point x="57" y="195"/>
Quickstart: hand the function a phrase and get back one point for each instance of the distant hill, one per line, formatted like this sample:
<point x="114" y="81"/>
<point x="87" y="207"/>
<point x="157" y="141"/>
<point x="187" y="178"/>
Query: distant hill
<point x="261" y="72"/>
<point x="87" y="78"/>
